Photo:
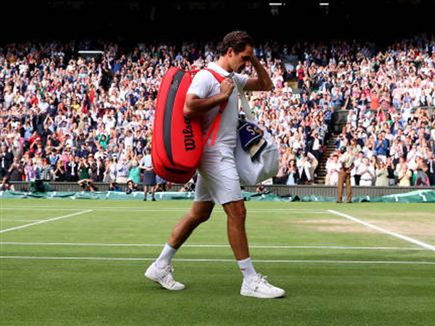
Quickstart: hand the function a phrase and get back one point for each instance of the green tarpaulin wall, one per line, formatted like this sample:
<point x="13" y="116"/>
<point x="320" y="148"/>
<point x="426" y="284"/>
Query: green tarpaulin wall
<point x="418" y="196"/>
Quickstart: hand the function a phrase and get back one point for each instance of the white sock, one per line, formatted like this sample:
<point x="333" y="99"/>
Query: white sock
<point x="166" y="256"/>
<point x="246" y="268"/>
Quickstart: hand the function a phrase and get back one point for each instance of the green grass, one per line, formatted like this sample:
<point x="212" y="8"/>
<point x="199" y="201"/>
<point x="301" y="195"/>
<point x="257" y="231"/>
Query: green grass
<point x="325" y="286"/>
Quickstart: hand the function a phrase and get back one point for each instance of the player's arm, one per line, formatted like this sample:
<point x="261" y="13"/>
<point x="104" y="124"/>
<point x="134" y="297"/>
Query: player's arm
<point x="260" y="83"/>
<point x="196" y="106"/>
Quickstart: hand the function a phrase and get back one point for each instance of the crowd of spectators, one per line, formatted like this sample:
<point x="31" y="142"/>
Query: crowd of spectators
<point x="64" y="117"/>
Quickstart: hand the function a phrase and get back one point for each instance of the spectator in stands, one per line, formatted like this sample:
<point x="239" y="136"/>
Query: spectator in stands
<point x="292" y="173"/>
<point x="131" y="186"/>
<point x="134" y="173"/>
<point x="59" y="109"/>
<point x="404" y="176"/>
<point x="304" y="168"/>
<point x="122" y="170"/>
<point x="44" y="170"/>
<point x="421" y="177"/>
<point x="368" y="173"/>
<point x="390" y="172"/>
<point x="16" y="170"/>
<point x="431" y="167"/>
<point x="6" y="158"/>
<point x="5" y="185"/>
<point x="113" y="186"/>
<point x="58" y="174"/>
<point x="332" y="170"/>
<point x="381" y="175"/>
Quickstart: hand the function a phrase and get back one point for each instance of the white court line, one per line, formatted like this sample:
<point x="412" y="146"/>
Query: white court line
<point x="75" y="244"/>
<point x="176" y="209"/>
<point x="132" y="209"/>
<point x="14" y="220"/>
<point x="44" y="221"/>
<point x="223" y="260"/>
<point x="378" y="228"/>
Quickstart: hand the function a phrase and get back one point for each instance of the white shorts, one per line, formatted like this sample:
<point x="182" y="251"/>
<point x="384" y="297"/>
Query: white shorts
<point x="218" y="180"/>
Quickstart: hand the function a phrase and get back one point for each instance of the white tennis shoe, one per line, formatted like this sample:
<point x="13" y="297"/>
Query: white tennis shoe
<point x="164" y="277"/>
<point x="258" y="287"/>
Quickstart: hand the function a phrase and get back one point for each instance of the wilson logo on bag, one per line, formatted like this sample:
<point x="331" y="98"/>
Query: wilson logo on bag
<point x="177" y="141"/>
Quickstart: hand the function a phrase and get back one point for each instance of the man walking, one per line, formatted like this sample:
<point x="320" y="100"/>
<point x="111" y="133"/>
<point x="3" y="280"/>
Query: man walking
<point x="218" y="180"/>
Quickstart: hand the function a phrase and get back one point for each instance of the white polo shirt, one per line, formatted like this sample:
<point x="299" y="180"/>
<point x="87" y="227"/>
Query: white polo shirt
<point x="205" y="85"/>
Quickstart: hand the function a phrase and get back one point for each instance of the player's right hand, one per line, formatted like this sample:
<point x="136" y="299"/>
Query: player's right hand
<point x="227" y="87"/>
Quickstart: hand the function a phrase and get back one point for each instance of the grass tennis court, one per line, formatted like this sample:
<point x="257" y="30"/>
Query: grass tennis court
<point x="82" y="263"/>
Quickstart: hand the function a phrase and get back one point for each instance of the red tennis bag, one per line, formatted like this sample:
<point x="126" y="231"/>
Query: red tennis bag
<point x="177" y="141"/>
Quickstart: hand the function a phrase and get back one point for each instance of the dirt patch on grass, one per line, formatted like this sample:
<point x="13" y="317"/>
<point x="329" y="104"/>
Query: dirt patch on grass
<point x="426" y="228"/>
<point x="335" y="225"/>
<point x="410" y="228"/>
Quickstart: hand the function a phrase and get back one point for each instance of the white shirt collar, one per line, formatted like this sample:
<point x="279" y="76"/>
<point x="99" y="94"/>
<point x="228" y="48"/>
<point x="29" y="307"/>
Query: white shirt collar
<point x="215" y="67"/>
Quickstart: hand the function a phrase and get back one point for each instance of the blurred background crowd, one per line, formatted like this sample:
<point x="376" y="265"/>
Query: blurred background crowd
<point x="68" y="117"/>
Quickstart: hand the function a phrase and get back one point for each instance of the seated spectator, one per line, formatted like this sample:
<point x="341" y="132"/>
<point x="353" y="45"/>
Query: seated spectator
<point x="87" y="185"/>
<point x="5" y="185"/>
<point x="189" y="186"/>
<point x="113" y="186"/>
<point x="131" y="186"/>
<point x="261" y="189"/>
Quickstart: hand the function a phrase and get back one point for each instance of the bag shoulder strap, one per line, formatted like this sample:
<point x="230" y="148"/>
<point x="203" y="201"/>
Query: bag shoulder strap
<point x="214" y="128"/>
<point x="245" y="104"/>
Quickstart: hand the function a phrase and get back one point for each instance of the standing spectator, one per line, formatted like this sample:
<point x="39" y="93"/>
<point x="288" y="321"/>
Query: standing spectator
<point x="83" y="169"/>
<point x="404" y="176"/>
<point x="368" y="174"/>
<point x="390" y="172"/>
<point x="381" y="175"/>
<point x="332" y="170"/>
<point x="431" y="168"/>
<point x="72" y="165"/>
<point x="29" y="171"/>
<point x="304" y="168"/>
<point x="122" y="169"/>
<point x="293" y="174"/>
<point x="16" y="170"/>
<point x="382" y="147"/>
<point x="134" y="173"/>
<point x="45" y="170"/>
<point x="421" y="179"/>
<point x="6" y="158"/>
<point x="58" y="175"/>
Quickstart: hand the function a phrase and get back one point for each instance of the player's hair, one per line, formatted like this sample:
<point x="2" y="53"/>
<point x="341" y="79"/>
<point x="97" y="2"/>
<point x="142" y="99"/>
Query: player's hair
<point x="236" y="40"/>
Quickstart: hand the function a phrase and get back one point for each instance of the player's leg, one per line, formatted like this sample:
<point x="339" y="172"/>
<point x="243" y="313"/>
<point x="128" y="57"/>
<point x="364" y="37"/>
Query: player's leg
<point x="236" y="213"/>
<point x="161" y="270"/>
<point x="254" y="284"/>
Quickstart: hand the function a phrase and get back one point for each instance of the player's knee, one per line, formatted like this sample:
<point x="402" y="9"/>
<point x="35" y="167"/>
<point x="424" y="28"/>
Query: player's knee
<point x="201" y="218"/>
